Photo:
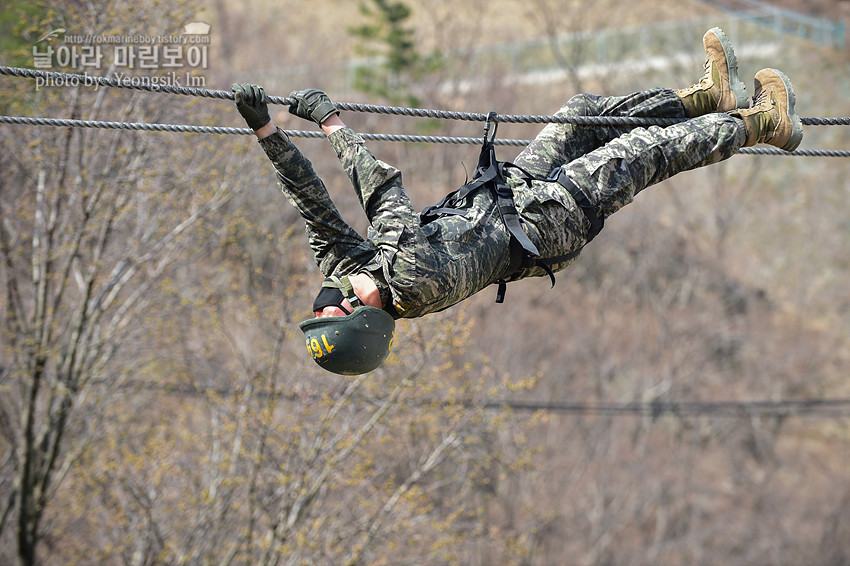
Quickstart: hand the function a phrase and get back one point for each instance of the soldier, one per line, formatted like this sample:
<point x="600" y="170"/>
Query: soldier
<point x="526" y="219"/>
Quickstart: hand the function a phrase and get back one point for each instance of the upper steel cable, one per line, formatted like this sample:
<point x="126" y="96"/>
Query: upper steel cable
<point x="138" y="83"/>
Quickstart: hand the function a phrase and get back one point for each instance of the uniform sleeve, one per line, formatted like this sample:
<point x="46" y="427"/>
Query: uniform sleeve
<point x="337" y="247"/>
<point x="378" y="187"/>
<point x="416" y="272"/>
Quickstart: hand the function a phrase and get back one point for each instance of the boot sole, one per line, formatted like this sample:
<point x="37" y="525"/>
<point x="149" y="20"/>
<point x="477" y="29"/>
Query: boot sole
<point x="736" y="85"/>
<point x="796" y="123"/>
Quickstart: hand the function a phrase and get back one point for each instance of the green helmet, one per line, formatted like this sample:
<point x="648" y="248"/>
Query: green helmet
<point x="352" y="344"/>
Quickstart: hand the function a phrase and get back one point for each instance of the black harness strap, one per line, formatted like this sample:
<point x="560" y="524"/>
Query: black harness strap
<point x="593" y="214"/>
<point x="590" y="210"/>
<point x="490" y="173"/>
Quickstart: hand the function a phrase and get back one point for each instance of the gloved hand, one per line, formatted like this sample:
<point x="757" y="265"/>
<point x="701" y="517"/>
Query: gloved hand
<point x="251" y="103"/>
<point x="312" y="104"/>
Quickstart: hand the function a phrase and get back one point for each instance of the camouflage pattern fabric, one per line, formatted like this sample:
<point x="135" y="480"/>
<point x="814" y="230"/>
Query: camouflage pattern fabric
<point x="428" y="268"/>
<point x="337" y="247"/>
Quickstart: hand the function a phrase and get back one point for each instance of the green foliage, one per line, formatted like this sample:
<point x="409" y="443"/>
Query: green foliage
<point x="21" y="25"/>
<point x="386" y="36"/>
<point x="388" y="27"/>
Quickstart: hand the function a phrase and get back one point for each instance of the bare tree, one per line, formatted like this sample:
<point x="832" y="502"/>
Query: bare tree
<point x="89" y="230"/>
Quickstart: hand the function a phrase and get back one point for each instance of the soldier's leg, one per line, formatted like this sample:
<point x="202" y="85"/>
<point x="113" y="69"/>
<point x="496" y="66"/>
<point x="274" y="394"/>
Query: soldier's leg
<point x="560" y="143"/>
<point x="613" y="174"/>
<point x="719" y="90"/>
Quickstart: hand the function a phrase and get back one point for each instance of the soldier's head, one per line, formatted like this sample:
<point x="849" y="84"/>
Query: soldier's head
<point x="346" y="336"/>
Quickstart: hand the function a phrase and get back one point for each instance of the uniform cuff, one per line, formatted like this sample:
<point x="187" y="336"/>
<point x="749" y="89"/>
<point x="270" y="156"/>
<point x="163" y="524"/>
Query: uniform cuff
<point x="276" y="144"/>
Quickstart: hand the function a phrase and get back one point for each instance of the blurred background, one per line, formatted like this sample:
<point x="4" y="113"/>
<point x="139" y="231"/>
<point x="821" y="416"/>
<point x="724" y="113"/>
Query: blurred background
<point x="682" y="395"/>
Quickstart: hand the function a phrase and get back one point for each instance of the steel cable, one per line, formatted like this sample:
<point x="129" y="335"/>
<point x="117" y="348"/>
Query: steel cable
<point x="185" y="128"/>
<point x="139" y="83"/>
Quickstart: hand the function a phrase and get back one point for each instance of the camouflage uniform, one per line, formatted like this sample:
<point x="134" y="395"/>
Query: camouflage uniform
<point x="423" y="269"/>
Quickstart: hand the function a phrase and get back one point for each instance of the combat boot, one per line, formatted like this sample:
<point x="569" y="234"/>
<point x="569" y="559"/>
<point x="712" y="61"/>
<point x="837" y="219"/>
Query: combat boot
<point x="771" y="119"/>
<point x="720" y="89"/>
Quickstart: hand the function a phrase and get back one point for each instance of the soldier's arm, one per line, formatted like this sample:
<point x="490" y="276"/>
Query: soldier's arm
<point x="336" y="246"/>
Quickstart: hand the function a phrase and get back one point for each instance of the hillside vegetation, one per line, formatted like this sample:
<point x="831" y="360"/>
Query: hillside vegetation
<point x="156" y="404"/>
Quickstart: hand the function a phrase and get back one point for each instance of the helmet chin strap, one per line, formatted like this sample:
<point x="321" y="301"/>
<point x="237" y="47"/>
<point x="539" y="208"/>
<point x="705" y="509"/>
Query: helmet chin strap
<point x="334" y="290"/>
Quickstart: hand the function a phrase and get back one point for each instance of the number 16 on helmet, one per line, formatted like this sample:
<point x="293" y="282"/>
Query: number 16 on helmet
<point x="353" y="344"/>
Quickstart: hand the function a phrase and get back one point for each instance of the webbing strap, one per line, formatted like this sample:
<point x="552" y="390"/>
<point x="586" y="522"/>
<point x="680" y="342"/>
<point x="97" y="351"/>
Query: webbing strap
<point x="524" y="254"/>
<point x="591" y="211"/>
<point x="345" y="287"/>
<point x="522" y="260"/>
<point x="510" y="215"/>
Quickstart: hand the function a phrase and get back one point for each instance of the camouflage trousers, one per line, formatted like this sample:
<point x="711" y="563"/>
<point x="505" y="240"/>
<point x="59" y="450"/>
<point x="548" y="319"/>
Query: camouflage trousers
<point x="614" y="163"/>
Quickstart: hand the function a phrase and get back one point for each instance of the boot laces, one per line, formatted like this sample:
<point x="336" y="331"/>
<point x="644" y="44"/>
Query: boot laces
<point x="763" y="97"/>
<point x="703" y="81"/>
<point x="706" y="72"/>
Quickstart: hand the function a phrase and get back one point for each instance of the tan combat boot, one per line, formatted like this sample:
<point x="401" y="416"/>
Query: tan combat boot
<point x="771" y="119"/>
<point x="720" y="89"/>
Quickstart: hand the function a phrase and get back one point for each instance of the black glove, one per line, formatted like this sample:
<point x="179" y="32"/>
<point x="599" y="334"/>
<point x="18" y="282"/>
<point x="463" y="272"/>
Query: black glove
<point x="312" y="104"/>
<point x="251" y="103"/>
